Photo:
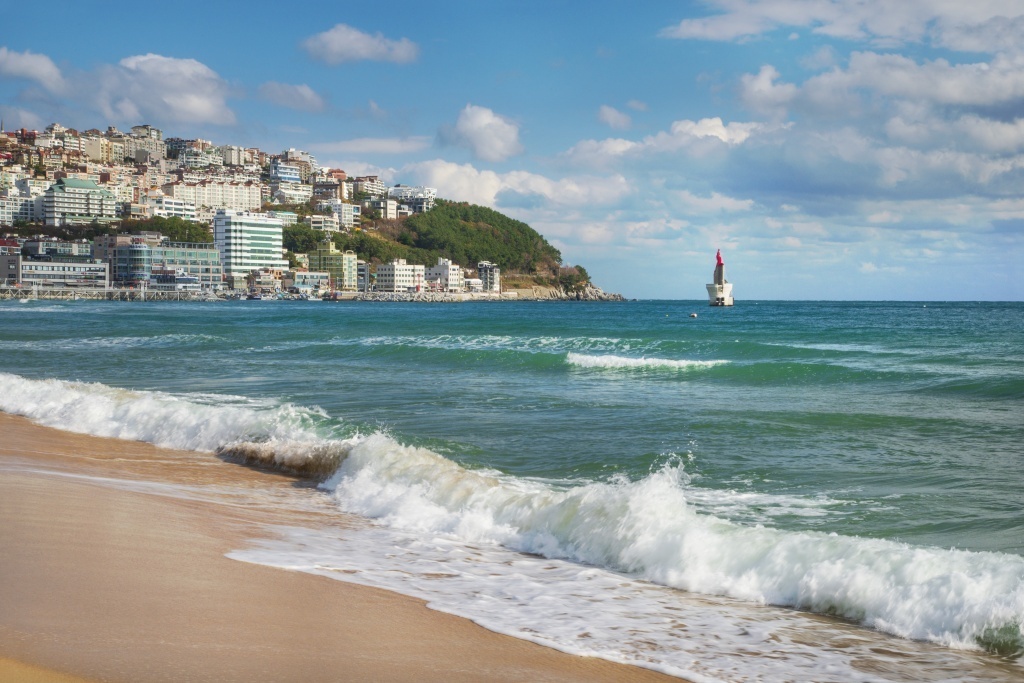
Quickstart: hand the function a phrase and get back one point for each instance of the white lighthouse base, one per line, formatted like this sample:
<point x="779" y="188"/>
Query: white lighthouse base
<point x="720" y="295"/>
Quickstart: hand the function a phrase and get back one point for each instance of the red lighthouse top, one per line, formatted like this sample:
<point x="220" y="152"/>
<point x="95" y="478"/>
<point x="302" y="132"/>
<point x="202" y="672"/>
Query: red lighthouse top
<point x="718" y="258"/>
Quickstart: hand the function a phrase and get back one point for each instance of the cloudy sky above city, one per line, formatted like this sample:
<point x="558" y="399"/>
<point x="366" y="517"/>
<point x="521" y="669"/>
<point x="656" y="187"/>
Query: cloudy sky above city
<point x="834" y="149"/>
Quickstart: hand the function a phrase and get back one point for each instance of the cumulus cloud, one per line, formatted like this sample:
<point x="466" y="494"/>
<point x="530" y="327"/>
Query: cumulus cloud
<point x="489" y="136"/>
<point x="162" y="89"/>
<point x="762" y="94"/>
<point x="407" y="145"/>
<point x="976" y="84"/>
<point x="31" y="66"/>
<point x="300" y="97"/>
<point x="344" y="43"/>
<point x="681" y="135"/>
<point x="613" y="118"/>
<point x="488" y="187"/>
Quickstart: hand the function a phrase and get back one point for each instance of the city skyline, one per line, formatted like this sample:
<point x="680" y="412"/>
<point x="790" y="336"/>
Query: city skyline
<point x="835" y="150"/>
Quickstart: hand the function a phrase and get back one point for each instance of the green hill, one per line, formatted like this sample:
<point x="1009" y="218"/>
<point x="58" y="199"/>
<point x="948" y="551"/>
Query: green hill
<point x="464" y="233"/>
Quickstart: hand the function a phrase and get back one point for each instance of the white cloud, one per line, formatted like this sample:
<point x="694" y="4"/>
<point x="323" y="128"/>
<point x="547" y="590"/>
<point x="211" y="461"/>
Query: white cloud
<point x="300" y="97"/>
<point x="681" y="135"/>
<point x="407" y="145"/>
<point x="156" y="88"/>
<point x="884" y="217"/>
<point x="344" y="43"/>
<point x="490" y="136"/>
<point x="761" y="93"/>
<point x="32" y="66"/>
<point x="15" y="117"/>
<point x="637" y="105"/>
<point x="988" y="26"/>
<point x="715" y="203"/>
<point x="465" y="182"/>
<point x="613" y="118"/>
<point x="978" y="84"/>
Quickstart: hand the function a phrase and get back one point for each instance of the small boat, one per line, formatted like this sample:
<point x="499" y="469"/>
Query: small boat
<point x="254" y="296"/>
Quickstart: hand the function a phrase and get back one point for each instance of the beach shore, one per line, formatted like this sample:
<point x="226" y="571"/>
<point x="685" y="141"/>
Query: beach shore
<point x="106" y="581"/>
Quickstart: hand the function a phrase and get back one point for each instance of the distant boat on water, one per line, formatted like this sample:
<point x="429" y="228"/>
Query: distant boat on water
<point x="720" y="289"/>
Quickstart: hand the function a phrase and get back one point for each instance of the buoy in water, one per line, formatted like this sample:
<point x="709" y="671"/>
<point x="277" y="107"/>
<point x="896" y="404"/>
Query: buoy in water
<point x="693" y="315"/>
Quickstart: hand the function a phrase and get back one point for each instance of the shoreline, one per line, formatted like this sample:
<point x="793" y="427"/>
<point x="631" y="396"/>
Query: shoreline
<point x="107" y="581"/>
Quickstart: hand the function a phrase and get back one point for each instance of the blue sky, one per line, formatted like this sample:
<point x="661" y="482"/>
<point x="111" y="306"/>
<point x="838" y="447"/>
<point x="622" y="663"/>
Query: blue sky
<point x="833" y="149"/>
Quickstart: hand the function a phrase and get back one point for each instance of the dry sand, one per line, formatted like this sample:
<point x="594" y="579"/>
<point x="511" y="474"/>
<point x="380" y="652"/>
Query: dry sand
<point x="107" y="584"/>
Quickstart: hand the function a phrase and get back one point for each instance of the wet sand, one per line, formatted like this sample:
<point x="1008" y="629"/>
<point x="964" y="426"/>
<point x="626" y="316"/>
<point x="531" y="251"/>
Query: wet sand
<point x="100" y="582"/>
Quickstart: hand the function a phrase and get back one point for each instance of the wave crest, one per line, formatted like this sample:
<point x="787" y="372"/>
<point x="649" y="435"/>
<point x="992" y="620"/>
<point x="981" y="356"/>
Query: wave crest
<point x="620" y="362"/>
<point x="647" y="528"/>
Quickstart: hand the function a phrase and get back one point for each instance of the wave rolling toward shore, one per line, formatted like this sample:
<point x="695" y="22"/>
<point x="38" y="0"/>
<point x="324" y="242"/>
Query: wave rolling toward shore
<point x="645" y="529"/>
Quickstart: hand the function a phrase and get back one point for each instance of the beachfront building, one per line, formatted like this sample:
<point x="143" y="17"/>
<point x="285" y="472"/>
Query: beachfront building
<point x="306" y="282"/>
<point x="446" y="276"/>
<point x="399" y="276"/>
<point x="340" y="265"/>
<point x="363" y="277"/>
<point x="51" y="246"/>
<point x="247" y="241"/>
<point x="76" y="202"/>
<point x="54" y="271"/>
<point x="199" y="260"/>
<point x="489" y="275"/>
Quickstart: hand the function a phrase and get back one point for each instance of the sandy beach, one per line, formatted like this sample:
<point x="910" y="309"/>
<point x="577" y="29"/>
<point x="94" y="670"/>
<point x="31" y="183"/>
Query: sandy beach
<point x="105" y="581"/>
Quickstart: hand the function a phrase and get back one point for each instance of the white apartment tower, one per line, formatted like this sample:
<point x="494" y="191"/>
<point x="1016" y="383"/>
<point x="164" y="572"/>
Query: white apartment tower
<point x="247" y="241"/>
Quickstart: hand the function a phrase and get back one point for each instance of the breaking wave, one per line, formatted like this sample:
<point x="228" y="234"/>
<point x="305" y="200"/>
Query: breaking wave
<point x="650" y="528"/>
<point x="617" y="362"/>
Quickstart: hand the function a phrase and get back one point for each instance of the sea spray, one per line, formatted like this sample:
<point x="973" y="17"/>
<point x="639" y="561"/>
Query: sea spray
<point x="647" y="529"/>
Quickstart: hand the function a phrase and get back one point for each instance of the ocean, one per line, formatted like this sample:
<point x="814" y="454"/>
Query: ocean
<point x="802" y="491"/>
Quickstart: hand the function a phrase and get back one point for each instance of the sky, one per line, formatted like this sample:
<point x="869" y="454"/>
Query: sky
<point x="832" y="149"/>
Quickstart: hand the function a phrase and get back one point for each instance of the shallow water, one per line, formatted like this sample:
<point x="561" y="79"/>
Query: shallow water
<point x="571" y="473"/>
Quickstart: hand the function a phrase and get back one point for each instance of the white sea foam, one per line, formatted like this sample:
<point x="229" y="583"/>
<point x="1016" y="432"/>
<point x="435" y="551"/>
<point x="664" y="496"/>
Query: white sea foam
<point x="647" y="529"/>
<point x="592" y="611"/>
<point x="288" y="435"/>
<point x="617" y="362"/>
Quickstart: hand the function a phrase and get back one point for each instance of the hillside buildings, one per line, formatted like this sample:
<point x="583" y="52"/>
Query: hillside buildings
<point x="76" y="202"/>
<point x="62" y="177"/>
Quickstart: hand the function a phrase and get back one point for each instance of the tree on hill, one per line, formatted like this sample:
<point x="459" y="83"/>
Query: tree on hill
<point x="467" y="234"/>
<point x="174" y="228"/>
<point x="301" y="239"/>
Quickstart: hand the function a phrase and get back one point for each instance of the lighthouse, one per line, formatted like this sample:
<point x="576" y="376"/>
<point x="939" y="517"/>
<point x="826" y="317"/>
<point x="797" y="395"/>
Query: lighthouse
<point x="720" y="289"/>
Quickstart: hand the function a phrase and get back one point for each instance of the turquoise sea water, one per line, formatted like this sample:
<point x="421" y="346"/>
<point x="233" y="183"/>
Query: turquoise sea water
<point x="859" y="460"/>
